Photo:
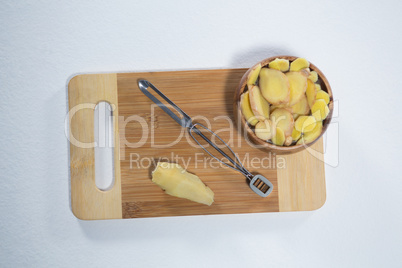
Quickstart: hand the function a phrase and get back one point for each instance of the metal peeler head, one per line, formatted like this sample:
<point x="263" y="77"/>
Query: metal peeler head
<point x="143" y="84"/>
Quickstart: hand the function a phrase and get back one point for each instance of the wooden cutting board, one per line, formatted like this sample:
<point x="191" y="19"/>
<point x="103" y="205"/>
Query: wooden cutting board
<point x="141" y="138"/>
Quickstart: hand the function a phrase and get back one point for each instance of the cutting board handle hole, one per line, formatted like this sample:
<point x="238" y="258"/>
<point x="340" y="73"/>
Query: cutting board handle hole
<point x="104" y="146"/>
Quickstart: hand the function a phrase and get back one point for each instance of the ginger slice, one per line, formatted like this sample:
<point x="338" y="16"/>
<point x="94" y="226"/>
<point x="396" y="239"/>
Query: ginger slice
<point x="298" y="86"/>
<point x="279" y="64"/>
<point x="317" y="87"/>
<point x="283" y="119"/>
<point x="305" y="72"/>
<point x="320" y="110"/>
<point x="312" y="135"/>
<point x="246" y="109"/>
<point x="296" y="134"/>
<point x="313" y="76"/>
<point x="279" y="137"/>
<point x="310" y="93"/>
<point x="305" y="123"/>
<point x="298" y="64"/>
<point x="302" y="107"/>
<point x="288" y="141"/>
<point x="273" y="107"/>
<point x="176" y="181"/>
<point x="274" y="86"/>
<point x="323" y="96"/>
<point x="253" y="75"/>
<point x="264" y="130"/>
<point x="259" y="105"/>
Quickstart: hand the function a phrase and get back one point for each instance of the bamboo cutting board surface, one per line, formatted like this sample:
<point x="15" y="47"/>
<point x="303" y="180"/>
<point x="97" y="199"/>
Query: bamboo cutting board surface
<point x="142" y="133"/>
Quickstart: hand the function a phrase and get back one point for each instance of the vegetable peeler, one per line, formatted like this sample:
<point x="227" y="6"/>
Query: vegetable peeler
<point x="258" y="183"/>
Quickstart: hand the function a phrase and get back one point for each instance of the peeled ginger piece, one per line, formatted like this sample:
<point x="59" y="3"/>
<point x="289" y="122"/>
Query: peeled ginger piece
<point x="296" y="134"/>
<point x="176" y="181"/>
<point x="298" y="64"/>
<point x="246" y="109"/>
<point x="302" y="107"/>
<point x="274" y="86"/>
<point x="323" y="96"/>
<point x="311" y="93"/>
<point x="259" y="105"/>
<point x="288" y="141"/>
<point x="298" y="86"/>
<point x="273" y="107"/>
<point x="279" y="137"/>
<point x="312" y="135"/>
<point x="253" y="75"/>
<point x="279" y="64"/>
<point x="283" y="119"/>
<point x="305" y="123"/>
<point x="320" y="110"/>
<point x="313" y="76"/>
<point x="264" y="130"/>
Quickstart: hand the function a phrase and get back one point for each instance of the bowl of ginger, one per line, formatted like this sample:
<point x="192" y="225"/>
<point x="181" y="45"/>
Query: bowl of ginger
<point x="284" y="104"/>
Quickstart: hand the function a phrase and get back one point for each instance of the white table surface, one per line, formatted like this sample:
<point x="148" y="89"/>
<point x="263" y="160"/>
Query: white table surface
<point x="358" y="47"/>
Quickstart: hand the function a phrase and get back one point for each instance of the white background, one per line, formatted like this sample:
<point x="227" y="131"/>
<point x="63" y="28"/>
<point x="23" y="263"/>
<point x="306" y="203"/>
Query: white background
<point x="356" y="44"/>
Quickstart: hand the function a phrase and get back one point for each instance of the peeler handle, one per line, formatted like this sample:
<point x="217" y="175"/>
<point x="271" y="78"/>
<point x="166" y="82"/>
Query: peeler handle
<point x="235" y="162"/>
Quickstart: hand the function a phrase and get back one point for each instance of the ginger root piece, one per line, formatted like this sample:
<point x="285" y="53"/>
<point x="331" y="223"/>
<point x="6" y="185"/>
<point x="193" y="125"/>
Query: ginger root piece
<point x="259" y="105"/>
<point x="279" y="64"/>
<point x="273" y="107"/>
<point x="317" y="87"/>
<point x="323" y="96"/>
<point x="298" y="86"/>
<point x="320" y="110"/>
<point x="295" y="116"/>
<point x="253" y="75"/>
<point x="312" y="135"/>
<point x="288" y="141"/>
<point x="274" y="86"/>
<point x="305" y="72"/>
<point x="313" y="76"/>
<point x="311" y="93"/>
<point x="279" y="137"/>
<point x="246" y="109"/>
<point x="302" y="107"/>
<point x="298" y="64"/>
<point x="283" y="119"/>
<point x="264" y="130"/>
<point x="296" y="135"/>
<point x="176" y="181"/>
<point x="305" y="123"/>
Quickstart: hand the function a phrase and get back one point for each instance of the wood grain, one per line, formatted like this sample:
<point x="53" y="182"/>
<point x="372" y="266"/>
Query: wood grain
<point x="207" y="96"/>
<point x="201" y="94"/>
<point x="87" y="201"/>
<point x="302" y="183"/>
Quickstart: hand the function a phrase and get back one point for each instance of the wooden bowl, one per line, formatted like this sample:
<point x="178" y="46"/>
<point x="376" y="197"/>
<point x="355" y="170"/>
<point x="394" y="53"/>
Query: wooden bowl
<point x="322" y="81"/>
